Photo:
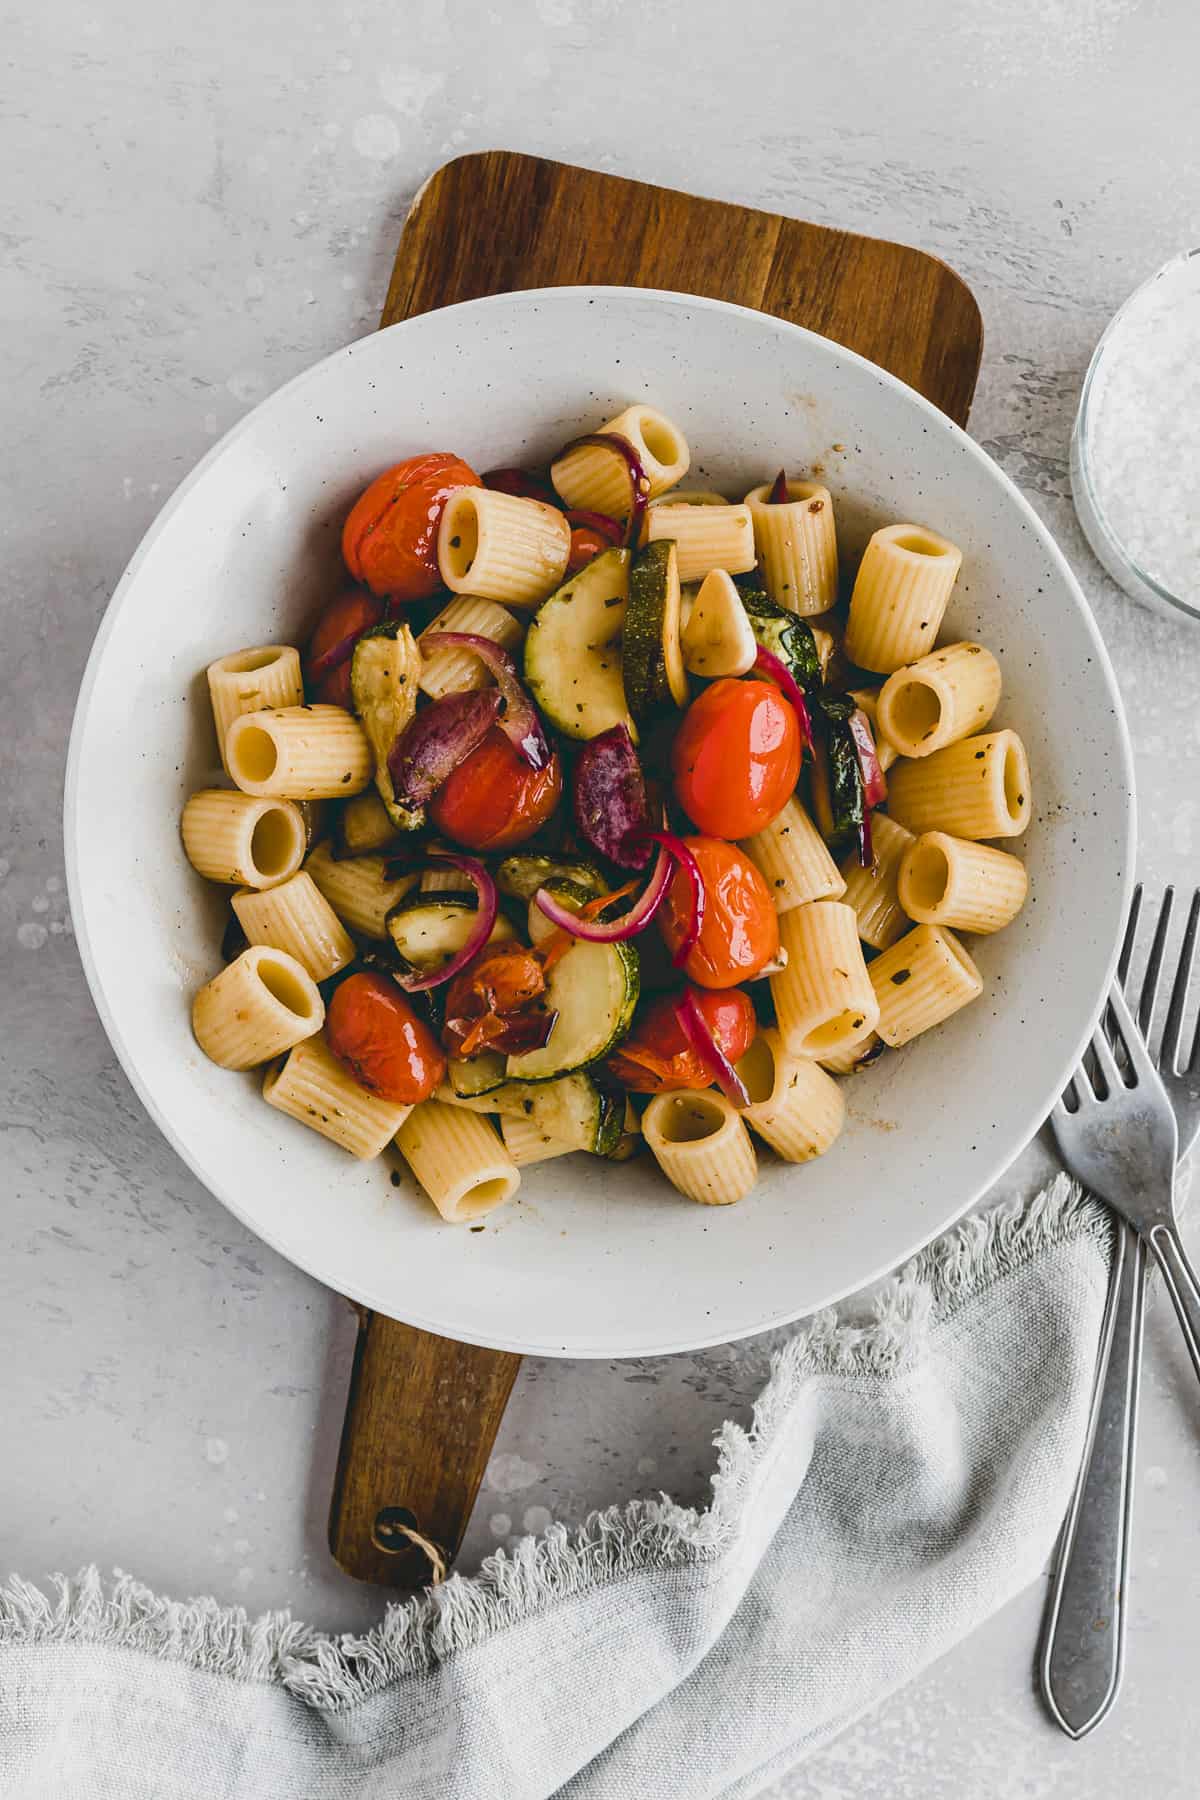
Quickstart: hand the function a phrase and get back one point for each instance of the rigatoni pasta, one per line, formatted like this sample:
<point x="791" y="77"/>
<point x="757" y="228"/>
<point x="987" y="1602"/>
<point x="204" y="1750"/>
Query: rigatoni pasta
<point x="458" y="1159"/>
<point x="794" y="1104"/>
<point x="312" y="1086"/>
<point x="242" y="840"/>
<point x="950" y="694"/>
<point x="977" y="788"/>
<point x="251" y="681"/>
<point x="358" y="889"/>
<point x="796" y="542"/>
<point x="299" y="753"/>
<point x="259" y="1006"/>
<point x="454" y="671"/>
<point x="501" y="547"/>
<point x="873" y="892"/>
<point x="526" y="1141"/>
<point x="967" y="886"/>
<point x="596" y="479"/>
<point x="705" y="537"/>
<point x="900" y="594"/>
<point x="921" y="981"/>
<point x="823" y="997"/>
<point x="701" y="1145"/>
<point x="295" y="916"/>
<point x="794" y="860"/>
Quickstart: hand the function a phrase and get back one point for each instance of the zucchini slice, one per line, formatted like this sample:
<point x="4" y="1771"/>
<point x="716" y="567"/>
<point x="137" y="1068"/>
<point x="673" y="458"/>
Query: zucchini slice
<point x="593" y="988"/>
<point x="571" y="893"/>
<point x="572" y="662"/>
<point x="384" y="673"/>
<point x="429" y="930"/>
<point x="838" y="801"/>
<point x="650" y="649"/>
<point x="362" y="826"/>
<point x="786" y="636"/>
<point x="520" y="877"/>
<point x="478" y="1077"/>
<point x="577" y="1110"/>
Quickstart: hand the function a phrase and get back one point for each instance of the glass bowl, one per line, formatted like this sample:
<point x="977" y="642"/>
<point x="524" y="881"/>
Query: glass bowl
<point x="1173" y="293"/>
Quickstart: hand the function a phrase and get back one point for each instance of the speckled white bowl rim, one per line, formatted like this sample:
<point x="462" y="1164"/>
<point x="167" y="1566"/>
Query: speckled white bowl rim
<point x="596" y="1259"/>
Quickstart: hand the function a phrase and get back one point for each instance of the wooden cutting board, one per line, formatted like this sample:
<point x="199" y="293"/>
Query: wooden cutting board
<point x="423" y="1412"/>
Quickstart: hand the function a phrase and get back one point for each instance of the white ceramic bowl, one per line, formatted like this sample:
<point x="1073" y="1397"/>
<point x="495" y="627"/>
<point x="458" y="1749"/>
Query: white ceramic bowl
<point x="594" y="1259"/>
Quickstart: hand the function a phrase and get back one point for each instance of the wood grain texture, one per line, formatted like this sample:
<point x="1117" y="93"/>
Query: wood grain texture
<point x="424" y="1411"/>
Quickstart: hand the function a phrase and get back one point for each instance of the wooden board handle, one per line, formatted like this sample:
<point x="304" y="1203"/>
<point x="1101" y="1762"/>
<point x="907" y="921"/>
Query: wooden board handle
<point x="421" y="1419"/>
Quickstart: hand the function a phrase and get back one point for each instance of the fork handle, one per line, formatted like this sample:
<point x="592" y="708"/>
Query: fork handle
<point x="1182" y="1285"/>
<point x="1084" y="1642"/>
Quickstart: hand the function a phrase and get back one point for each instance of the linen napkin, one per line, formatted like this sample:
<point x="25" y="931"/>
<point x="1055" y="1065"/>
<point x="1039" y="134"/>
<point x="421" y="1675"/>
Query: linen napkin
<point x="901" y="1481"/>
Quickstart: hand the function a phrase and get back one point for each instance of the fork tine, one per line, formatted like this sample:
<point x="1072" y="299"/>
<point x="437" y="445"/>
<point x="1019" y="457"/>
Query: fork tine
<point x="1103" y="1053"/>
<point x="1145" y="1011"/>
<point x="1179" y="992"/>
<point x="1131" y="927"/>
<point x="1130" y="1038"/>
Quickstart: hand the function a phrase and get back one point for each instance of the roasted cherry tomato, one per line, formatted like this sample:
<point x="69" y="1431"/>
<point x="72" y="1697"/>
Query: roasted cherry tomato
<point x="656" y="1055"/>
<point x="331" y="646"/>
<point x="375" y="1034"/>
<point x="736" y="757"/>
<point x="487" y="1004"/>
<point x="591" y="532"/>
<point x="494" y="799"/>
<point x="389" y="539"/>
<point x="740" y="933"/>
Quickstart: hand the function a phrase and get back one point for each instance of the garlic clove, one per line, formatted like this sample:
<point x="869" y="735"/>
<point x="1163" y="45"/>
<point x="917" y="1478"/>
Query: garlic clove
<point x="717" y="639"/>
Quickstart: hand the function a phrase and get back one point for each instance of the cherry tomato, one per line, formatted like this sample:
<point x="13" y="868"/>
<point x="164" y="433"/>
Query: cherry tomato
<point x="334" y="636"/>
<point x="494" y="799"/>
<point x="656" y="1055"/>
<point x="591" y="532"/>
<point x="334" y="689"/>
<point x="740" y="933"/>
<point x="389" y="539"/>
<point x="486" y="1004"/>
<point x="736" y="757"/>
<point x="523" y="483"/>
<point x="375" y="1035"/>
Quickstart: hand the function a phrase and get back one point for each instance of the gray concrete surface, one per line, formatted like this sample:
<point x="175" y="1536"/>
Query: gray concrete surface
<point x="196" y="204"/>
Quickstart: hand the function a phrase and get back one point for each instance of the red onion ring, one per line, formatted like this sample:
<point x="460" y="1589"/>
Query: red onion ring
<point x="519" y="721"/>
<point x="639" y="481"/>
<point x="522" y="483"/>
<point x="779" y="495"/>
<point x="785" y="681"/>
<point x="600" y="523"/>
<point x="437" y="739"/>
<point x="485" y="917"/>
<point x="685" y="861"/>
<point x="618" y="931"/>
<point x="873" y="778"/>
<point x="692" y="1023"/>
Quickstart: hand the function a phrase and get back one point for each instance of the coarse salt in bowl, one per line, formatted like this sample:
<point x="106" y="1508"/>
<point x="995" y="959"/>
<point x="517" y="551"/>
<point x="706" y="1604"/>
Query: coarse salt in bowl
<point x="1135" y="451"/>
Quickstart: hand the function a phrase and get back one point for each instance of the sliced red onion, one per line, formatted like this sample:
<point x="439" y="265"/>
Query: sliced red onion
<point x="639" y="481"/>
<point x="779" y="495"/>
<point x="335" y="656"/>
<point x="785" y="681"/>
<point x="873" y="778"/>
<point x="519" y="721"/>
<point x="612" y="808"/>
<point x="522" y="483"/>
<point x="485" y="917"/>
<point x="685" y="861"/>
<point x="695" y="1029"/>
<point x="436" y="740"/>
<point x="600" y="523"/>
<point x="618" y="931"/>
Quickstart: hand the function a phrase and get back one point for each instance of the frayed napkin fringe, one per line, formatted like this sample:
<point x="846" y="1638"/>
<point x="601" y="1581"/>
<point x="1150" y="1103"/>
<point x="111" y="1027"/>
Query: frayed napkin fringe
<point x="334" y="1673"/>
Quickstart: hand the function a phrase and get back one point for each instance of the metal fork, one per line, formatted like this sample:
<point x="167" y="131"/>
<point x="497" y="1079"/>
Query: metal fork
<point x="1083" y="1643"/>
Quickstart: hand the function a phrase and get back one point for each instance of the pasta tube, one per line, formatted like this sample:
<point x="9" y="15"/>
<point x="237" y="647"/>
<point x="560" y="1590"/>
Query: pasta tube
<point x="797" y="546"/>
<point x="458" y="1159"/>
<point x="455" y="671"/>
<point x="312" y="1086"/>
<point x="500" y="547"/>
<point x="977" y="788"/>
<point x="946" y="696"/>
<point x="299" y="753"/>
<point x="872" y="892"/>
<point x="793" y="859"/>
<point x="823" y="997"/>
<point x="921" y="981"/>
<point x="794" y="1104"/>
<point x="970" y="887"/>
<point x="251" y="681"/>
<point x="257" y="1007"/>
<point x="358" y="890"/>
<point x="295" y="916"/>
<point x="528" y="1143"/>
<point x="598" y="479"/>
<point x="900" y="594"/>
<point x="701" y="1146"/>
<point x="705" y="537"/>
<point x="854" y="1058"/>
<point x="242" y="840"/>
